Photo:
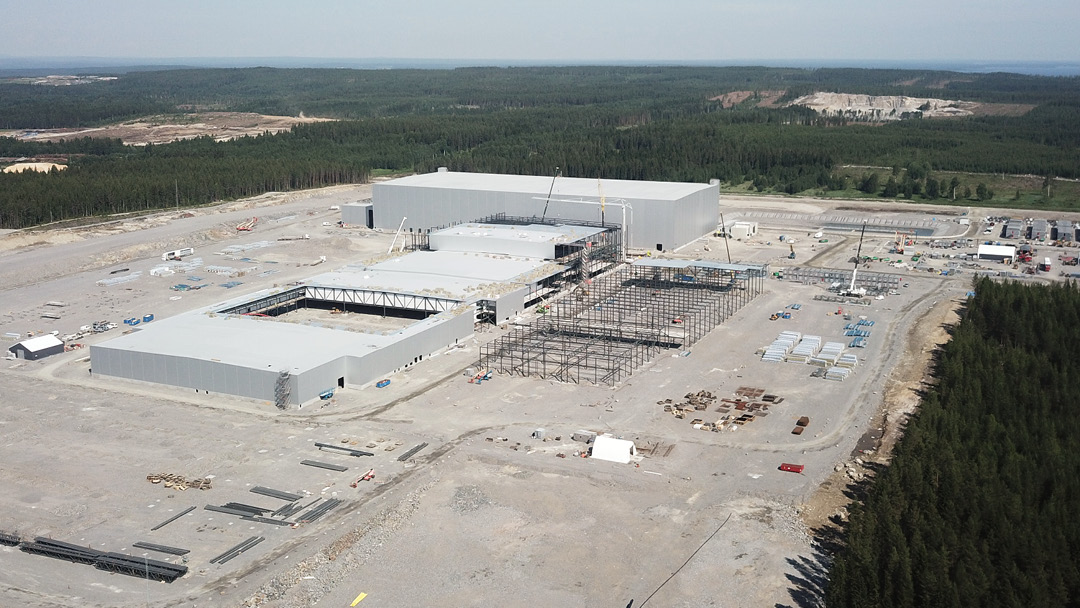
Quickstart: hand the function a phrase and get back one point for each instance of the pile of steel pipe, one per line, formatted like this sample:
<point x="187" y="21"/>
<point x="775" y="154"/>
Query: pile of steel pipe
<point x="412" y="452"/>
<point x="313" y="514"/>
<point x="173" y="518"/>
<point x="349" y="451"/>
<point x="237" y="550"/>
<point x="324" y="465"/>
<point x="276" y="493"/>
<point x="266" y="520"/>
<point x="161" y="548"/>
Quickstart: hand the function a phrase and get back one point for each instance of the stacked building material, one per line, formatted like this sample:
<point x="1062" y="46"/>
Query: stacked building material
<point x="324" y="465"/>
<point x="317" y="512"/>
<point x="837" y="373"/>
<point x="237" y="550"/>
<point x="778" y="350"/>
<point x="806" y="349"/>
<point x="112" y="562"/>
<point x="847" y="360"/>
<point x="829" y="354"/>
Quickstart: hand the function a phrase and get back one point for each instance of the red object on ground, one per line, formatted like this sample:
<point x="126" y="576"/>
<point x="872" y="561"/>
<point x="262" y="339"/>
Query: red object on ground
<point x="792" y="468"/>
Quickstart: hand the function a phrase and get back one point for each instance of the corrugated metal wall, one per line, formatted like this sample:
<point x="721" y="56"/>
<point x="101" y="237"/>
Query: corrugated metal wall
<point x="670" y="223"/>
<point x="468" y="242"/>
<point x="223" y="378"/>
<point x="184" y="372"/>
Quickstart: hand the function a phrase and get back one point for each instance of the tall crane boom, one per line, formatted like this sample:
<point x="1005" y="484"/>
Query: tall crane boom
<point x="550" y="190"/>
<point x="600" y="188"/>
<point x="858" y="258"/>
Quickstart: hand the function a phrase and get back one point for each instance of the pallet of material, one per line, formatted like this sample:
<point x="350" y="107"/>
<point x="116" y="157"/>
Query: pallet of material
<point x="797" y="430"/>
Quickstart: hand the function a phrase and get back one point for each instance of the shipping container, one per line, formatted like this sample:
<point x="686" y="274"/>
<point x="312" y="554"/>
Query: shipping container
<point x="792" y="468"/>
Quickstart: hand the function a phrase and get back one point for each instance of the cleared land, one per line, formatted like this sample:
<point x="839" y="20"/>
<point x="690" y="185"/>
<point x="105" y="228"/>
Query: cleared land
<point x="222" y="126"/>
<point x="485" y="513"/>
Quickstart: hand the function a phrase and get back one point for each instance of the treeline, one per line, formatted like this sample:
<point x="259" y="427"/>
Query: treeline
<point x="668" y="92"/>
<point x="187" y="173"/>
<point x="978" y="507"/>
<point x="612" y="122"/>
<point x="775" y="149"/>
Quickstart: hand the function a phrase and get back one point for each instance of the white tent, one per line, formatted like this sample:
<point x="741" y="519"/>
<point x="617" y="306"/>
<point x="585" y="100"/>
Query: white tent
<point x="606" y="447"/>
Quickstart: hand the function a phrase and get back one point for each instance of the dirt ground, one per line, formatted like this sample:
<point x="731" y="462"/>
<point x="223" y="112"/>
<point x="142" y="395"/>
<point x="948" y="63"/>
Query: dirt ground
<point x="42" y="167"/>
<point x="485" y="513"/>
<point x="222" y="126"/>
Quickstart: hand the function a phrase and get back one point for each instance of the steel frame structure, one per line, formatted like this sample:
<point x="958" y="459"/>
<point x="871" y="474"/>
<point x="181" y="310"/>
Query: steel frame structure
<point x="607" y="328"/>
<point x="873" y="282"/>
<point x="291" y="299"/>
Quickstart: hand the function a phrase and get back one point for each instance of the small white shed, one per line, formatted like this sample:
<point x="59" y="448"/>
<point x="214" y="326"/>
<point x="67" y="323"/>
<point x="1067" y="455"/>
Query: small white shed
<point x="743" y="230"/>
<point x="606" y="447"/>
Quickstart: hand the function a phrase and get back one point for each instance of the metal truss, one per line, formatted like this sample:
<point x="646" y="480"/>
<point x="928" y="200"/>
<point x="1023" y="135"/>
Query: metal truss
<point x="609" y="326"/>
<point x="873" y="282"/>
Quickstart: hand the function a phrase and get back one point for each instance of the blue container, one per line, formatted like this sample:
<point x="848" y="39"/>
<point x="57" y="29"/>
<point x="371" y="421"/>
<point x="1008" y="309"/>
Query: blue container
<point x="147" y="318"/>
<point x="382" y="384"/>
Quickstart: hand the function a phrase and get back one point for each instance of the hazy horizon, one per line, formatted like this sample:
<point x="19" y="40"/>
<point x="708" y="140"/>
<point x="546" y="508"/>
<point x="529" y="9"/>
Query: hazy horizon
<point x="41" y="65"/>
<point x="557" y="32"/>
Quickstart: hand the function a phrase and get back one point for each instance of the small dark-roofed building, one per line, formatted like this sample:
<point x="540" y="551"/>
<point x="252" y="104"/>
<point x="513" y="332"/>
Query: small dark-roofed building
<point x="1064" y="231"/>
<point x="1014" y="229"/>
<point x="38" y="348"/>
<point x="1040" y="230"/>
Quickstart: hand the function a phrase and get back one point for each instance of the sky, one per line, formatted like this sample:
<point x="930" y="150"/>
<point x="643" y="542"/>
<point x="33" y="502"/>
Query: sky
<point x="553" y="30"/>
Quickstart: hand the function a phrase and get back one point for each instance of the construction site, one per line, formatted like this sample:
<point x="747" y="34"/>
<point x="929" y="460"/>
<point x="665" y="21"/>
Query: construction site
<point x="561" y="393"/>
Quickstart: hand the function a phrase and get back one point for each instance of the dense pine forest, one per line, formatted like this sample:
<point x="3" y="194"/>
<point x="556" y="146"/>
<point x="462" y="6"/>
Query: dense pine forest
<point x="654" y="123"/>
<point x="978" y="507"/>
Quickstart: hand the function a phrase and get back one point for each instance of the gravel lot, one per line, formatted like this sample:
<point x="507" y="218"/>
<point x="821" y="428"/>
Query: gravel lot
<point x="484" y="514"/>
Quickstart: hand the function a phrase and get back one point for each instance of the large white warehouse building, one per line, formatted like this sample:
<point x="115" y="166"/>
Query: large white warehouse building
<point x="658" y="215"/>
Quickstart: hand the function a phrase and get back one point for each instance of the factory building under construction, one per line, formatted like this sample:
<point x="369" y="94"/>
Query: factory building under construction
<point x="654" y="215"/>
<point x="600" y="318"/>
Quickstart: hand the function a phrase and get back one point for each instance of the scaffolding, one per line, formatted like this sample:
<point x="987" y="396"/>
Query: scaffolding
<point x="873" y="282"/>
<point x="282" y="390"/>
<point x="610" y="325"/>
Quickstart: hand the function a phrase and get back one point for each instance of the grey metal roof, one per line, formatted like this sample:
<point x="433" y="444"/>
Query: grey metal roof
<point x="533" y="233"/>
<point x="449" y="274"/>
<point x="540" y="185"/>
<point x="254" y="342"/>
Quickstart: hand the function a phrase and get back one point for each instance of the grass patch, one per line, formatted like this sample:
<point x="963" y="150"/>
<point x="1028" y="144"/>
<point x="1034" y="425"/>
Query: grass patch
<point x="1009" y="191"/>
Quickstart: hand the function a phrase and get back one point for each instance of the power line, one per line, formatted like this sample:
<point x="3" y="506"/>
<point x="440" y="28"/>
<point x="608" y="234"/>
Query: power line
<point x="684" y="563"/>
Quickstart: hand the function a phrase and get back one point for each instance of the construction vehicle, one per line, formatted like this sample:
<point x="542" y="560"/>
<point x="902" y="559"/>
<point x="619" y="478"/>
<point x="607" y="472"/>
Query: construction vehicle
<point x="366" y="477"/>
<point x="791" y="256"/>
<point x="248" y="225"/>
<point x="480" y="377"/>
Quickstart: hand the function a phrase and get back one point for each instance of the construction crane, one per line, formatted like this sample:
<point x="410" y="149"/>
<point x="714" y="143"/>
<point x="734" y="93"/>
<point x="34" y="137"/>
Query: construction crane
<point x="602" y="200"/>
<point x="851" y="291"/>
<point x="547" y="201"/>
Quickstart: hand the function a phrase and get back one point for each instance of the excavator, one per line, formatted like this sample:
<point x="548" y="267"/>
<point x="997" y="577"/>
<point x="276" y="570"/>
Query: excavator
<point x="791" y="256"/>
